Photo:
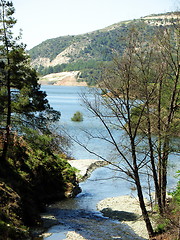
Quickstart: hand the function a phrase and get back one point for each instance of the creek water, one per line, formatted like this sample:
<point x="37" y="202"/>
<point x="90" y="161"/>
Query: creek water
<point x="80" y="214"/>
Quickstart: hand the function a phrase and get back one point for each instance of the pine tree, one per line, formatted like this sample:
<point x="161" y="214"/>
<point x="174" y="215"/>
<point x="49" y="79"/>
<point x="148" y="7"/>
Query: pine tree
<point x="22" y="104"/>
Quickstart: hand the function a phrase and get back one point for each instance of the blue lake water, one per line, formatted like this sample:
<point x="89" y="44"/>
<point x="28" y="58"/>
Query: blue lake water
<point x="104" y="182"/>
<point x="68" y="100"/>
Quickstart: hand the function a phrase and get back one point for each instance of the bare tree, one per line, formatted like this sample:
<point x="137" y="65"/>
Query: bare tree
<point x="168" y="42"/>
<point x="142" y="100"/>
<point x="122" y="80"/>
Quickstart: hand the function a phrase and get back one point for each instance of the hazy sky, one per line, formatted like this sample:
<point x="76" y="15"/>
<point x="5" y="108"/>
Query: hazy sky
<point x="45" y="19"/>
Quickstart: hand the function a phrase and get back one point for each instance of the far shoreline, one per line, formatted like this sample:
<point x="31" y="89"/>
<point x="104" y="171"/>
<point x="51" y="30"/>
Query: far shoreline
<point x="62" y="79"/>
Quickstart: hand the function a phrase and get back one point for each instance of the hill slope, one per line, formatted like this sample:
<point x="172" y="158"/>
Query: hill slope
<point x="85" y="52"/>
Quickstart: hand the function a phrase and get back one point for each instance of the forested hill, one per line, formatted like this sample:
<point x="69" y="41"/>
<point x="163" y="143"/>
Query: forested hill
<point x="86" y="52"/>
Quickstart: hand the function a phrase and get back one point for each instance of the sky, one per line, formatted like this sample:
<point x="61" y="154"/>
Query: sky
<point x="45" y="19"/>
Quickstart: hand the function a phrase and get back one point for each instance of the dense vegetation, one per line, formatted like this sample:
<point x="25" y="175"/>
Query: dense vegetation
<point x="32" y="155"/>
<point x="26" y="181"/>
<point x="98" y="47"/>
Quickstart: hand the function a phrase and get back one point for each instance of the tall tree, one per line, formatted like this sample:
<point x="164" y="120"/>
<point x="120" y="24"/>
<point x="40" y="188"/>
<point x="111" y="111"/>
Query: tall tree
<point x="6" y="35"/>
<point x="142" y="100"/>
<point x="168" y="43"/>
<point x="23" y="103"/>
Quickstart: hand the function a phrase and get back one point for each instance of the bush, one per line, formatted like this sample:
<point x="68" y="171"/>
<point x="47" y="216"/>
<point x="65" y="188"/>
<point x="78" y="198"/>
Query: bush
<point x="176" y="193"/>
<point x="161" y="227"/>
<point x="78" y="117"/>
<point x="31" y="171"/>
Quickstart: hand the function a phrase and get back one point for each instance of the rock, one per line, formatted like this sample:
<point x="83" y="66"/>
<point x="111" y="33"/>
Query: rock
<point x="86" y="166"/>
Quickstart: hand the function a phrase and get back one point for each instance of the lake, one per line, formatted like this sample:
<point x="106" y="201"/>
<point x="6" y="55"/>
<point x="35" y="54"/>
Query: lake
<point x="67" y="100"/>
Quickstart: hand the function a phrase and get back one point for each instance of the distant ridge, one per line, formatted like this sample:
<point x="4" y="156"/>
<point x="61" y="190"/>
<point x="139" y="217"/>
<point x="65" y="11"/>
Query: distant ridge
<point x="85" y="52"/>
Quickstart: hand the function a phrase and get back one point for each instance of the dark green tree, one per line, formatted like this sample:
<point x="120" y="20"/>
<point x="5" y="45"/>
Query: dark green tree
<point x="23" y="103"/>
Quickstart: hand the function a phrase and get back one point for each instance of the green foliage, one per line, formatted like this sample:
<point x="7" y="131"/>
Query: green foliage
<point x="38" y="167"/>
<point x="135" y="113"/>
<point x="8" y="231"/>
<point x="33" y="150"/>
<point x="176" y="193"/>
<point x="49" y="48"/>
<point x="174" y="129"/>
<point x="161" y="227"/>
<point x="31" y="171"/>
<point x="23" y="103"/>
<point x="91" y="76"/>
<point x="77" y="117"/>
<point x="98" y="45"/>
<point x="169" y="222"/>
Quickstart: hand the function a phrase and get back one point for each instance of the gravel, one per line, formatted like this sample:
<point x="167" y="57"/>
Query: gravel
<point x="127" y="210"/>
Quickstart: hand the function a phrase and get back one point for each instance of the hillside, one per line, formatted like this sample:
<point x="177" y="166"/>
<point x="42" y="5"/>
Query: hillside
<point x="86" y="52"/>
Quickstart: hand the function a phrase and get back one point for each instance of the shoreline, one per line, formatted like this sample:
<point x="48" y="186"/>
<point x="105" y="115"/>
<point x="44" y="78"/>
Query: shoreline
<point x="85" y="167"/>
<point x="69" y="78"/>
<point x="125" y="209"/>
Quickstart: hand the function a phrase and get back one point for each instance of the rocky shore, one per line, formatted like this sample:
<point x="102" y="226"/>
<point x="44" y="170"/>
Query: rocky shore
<point x="62" y="79"/>
<point x="86" y="166"/>
<point x="127" y="210"/>
<point x="123" y="208"/>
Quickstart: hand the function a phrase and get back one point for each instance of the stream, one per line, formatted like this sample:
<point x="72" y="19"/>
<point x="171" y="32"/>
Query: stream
<point x="80" y="214"/>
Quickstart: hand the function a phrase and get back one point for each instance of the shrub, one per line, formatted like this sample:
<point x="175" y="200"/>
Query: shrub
<point x="78" y="117"/>
<point x="176" y="193"/>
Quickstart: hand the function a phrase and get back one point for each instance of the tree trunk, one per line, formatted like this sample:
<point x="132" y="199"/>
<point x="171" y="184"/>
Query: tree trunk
<point x="8" y="120"/>
<point x="8" y="84"/>
<point x="154" y="171"/>
<point x="172" y="107"/>
<point x="164" y="173"/>
<point x="139" y="191"/>
<point x="143" y="207"/>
